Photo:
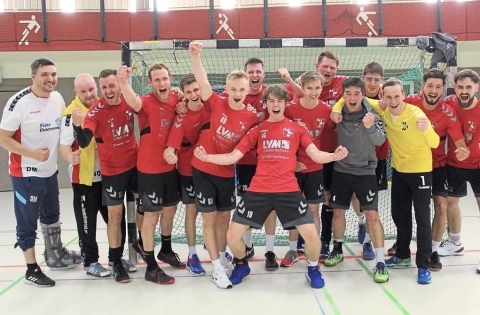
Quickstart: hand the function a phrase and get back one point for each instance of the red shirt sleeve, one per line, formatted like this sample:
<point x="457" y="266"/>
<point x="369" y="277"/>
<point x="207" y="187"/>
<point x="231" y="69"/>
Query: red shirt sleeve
<point x="249" y="141"/>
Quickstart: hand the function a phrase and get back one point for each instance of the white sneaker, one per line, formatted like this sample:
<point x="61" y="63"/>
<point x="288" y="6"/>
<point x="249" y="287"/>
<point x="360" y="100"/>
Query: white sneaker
<point x="227" y="265"/>
<point x="220" y="278"/>
<point x="450" y="248"/>
<point x="96" y="270"/>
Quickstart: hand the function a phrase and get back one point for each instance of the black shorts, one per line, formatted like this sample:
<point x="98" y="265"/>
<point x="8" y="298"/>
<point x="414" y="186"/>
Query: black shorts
<point x="291" y="207"/>
<point x="187" y="190"/>
<point x="381" y="172"/>
<point x="158" y="190"/>
<point x="327" y="175"/>
<point x="311" y="185"/>
<point x="244" y="177"/>
<point x="344" y="185"/>
<point x="213" y="193"/>
<point x="114" y="187"/>
<point x="458" y="178"/>
<point x="440" y="181"/>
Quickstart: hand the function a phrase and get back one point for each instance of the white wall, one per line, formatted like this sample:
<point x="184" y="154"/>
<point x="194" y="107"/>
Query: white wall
<point x="15" y="65"/>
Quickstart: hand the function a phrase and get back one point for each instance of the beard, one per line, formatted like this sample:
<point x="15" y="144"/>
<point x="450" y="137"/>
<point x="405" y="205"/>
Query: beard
<point x="466" y="104"/>
<point x="430" y="102"/>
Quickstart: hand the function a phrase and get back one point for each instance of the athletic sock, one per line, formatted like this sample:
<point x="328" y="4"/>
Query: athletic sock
<point x="247" y="237"/>
<point x="293" y="245"/>
<point x="270" y="243"/>
<point x="362" y="219"/>
<point x="367" y="238"/>
<point x="166" y="244"/>
<point x="192" y="250"/>
<point x="150" y="260"/>
<point x="380" y="254"/>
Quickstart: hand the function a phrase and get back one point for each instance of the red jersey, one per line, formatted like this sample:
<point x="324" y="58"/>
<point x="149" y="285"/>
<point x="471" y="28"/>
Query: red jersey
<point x="277" y="144"/>
<point x="184" y="135"/>
<point x="155" y="119"/>
<point x="317" y="120"/>
<point x="226" y="127"/>
<point x="113" y="129"/>
<point x="444" y="121"/>
<point x="470" y="125"/>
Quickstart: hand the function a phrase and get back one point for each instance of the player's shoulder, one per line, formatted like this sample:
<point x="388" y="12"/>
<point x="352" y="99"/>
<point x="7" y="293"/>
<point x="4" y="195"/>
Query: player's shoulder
<point x="21" y="96"/>
<point x="96" y="108"/>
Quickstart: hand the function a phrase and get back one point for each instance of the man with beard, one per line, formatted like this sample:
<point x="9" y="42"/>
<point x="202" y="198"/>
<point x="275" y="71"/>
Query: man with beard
<point x="110" y="122"/>
<point x="467" y="108"/>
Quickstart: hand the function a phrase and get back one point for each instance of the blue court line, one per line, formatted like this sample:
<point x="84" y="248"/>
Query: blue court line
<point x="318" y="302"/>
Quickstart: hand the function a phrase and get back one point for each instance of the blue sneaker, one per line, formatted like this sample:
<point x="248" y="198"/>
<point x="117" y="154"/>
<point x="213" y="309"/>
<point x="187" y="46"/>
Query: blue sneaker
<point x="228" y="256"/>
<point x="424" y="276"/>
<point x="368" y="253"/>
<point x="238" y="273"/>
<point x="314" y="277"/>
<point x="325" y="251"/>
<point x="195" y="266"/>
<point x="362" y="229"/>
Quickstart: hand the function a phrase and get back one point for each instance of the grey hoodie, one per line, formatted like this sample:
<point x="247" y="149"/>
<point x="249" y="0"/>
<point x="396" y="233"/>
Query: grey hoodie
<point x="359" y="141"/>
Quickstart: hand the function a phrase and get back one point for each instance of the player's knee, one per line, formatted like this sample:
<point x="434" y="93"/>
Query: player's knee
<point x="372" y="217"/>
<point x="441" y="208"/>
<point x="338" y="214"/>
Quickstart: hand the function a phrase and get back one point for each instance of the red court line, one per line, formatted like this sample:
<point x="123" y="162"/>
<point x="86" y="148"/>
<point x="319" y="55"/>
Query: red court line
<point x="141" y="263"/>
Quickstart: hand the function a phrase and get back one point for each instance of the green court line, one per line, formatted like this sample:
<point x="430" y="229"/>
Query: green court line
<point x="331" y="302"/>
<point x="385" y="290"/>
<point x="23" y="277"/>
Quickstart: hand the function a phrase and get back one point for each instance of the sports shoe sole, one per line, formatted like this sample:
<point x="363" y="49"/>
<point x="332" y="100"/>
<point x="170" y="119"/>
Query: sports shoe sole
<point x="310" y="282"/>
<point x="38" y="285"/>
<point x="459" y="252"/>
<point x="194" y="273"/>
<point x="434" y="269"/>
<point x="271" y="268"/>
<point x="332" y="264"/>
<point x="227" y="287"/>
<point x="288" y="265"/>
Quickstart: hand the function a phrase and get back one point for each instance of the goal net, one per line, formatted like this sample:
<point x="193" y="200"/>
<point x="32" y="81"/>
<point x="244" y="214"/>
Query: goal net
<point x="399" y="57"/>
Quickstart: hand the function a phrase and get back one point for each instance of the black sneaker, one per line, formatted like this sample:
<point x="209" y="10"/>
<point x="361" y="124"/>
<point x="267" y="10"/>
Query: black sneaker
<point x="392" y="251"/>
<point x="158" y="276"/>
<point x="172" y="259"/>
<point x="37" y="278"/>
<point x="300" y="246"/>
<point x="120" y="274"/>
<point x="271" y="263"/>
<point x="249" y="252"/>
<point x="138" y="248"/>
<point x="435" y="264"/>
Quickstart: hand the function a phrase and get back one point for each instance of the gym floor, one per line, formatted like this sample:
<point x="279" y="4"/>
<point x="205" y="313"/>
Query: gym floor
<point x="349" y="286"/>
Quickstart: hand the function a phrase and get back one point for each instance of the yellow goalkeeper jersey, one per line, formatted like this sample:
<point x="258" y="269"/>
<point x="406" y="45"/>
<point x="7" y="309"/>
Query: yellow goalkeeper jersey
<point x="411" y="148"/>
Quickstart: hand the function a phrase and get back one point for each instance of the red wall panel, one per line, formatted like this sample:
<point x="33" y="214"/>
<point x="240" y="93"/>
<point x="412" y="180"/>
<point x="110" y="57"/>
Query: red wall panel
<point x="81" y="30"/>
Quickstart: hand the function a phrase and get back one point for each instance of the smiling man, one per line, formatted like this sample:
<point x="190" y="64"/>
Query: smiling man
<point x="411" y="138"/>
<point x="276" y="140"/>
<point x="110" y="122"/>
<point x="30" y="130"/>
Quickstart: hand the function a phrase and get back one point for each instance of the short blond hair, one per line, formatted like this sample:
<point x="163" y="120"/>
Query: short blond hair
<point x="237" y="74"/>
